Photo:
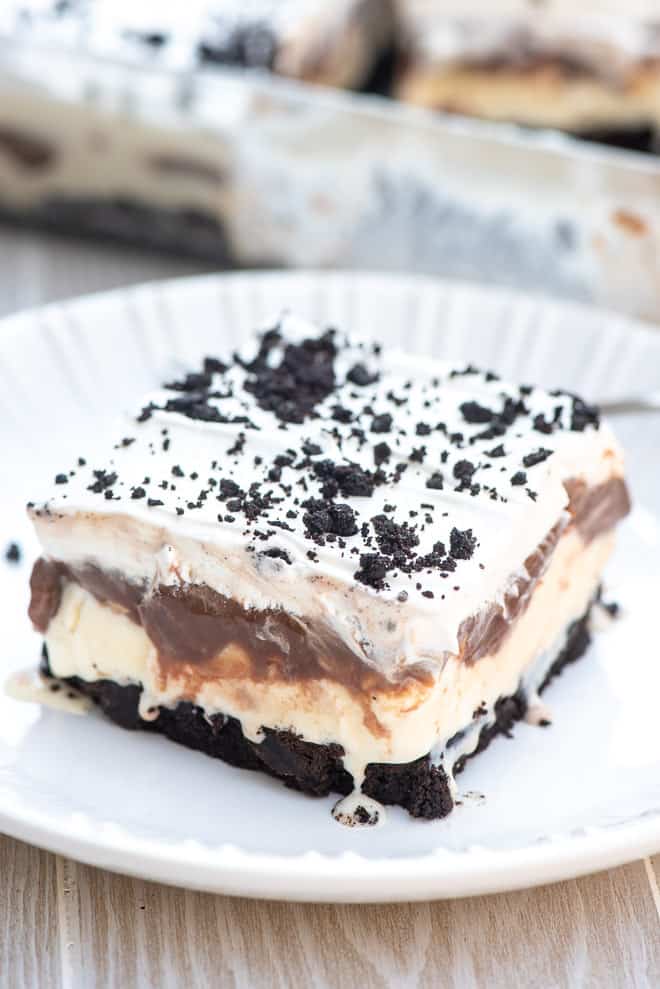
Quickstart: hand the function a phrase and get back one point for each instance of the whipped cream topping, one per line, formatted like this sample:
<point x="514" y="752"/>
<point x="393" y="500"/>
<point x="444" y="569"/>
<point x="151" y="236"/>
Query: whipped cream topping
<point x="388" y="495"/>
<point x="604" y="42"/>
<point x="280" y="34"/>
<point x="250" y="32"/>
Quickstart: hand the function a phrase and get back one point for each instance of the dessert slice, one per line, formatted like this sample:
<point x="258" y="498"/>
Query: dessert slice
<point x="332" y="562"/>
<point x="595" y="76"/>
<point x="336" y="44"/>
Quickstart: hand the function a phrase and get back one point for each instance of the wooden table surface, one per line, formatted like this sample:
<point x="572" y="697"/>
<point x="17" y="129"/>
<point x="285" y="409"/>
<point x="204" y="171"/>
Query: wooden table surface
<point x="63" y="924"/>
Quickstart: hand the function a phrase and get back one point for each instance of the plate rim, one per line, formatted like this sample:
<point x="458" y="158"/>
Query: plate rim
<point x="635" y="324"/>
<point x="347" y="877"/>
<point x="312" y="875"/>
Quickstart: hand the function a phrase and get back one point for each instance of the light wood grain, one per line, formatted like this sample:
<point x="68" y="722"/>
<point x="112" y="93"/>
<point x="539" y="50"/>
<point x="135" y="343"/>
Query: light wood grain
<point x="653" y="872"/>
<point x="29" y="939"/>
<point x="602" y="930"/>
<point x="36" y="269"/>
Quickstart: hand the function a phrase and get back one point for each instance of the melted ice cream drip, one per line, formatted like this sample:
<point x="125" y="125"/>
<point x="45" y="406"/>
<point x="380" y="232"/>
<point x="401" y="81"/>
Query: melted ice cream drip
<point x="538" y="713"/>
<point x="34" y="688"/>
<point x="148" y="708"/>
<point x="357" y="810"/>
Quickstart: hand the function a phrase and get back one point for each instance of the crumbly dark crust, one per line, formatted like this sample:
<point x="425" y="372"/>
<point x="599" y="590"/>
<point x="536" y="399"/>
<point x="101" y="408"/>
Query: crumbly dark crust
<point x="128" y="221"/>
<point x="420" y="787"/>
<point x="199" y="235"/>
<point x="629" y="138"/>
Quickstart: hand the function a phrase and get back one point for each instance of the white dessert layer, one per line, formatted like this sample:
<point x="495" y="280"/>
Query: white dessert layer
<point x="108" y="152"/>
<point x="608" y="43"/>
<point x="307" y="39"/>
<point x="94" y="641"/>
<point x="172" y="534"/>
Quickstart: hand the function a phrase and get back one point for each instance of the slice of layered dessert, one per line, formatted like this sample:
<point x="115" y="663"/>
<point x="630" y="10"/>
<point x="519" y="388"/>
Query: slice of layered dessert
<point x="338" y="564"/>
<point x="337" y="44"/>
<point x="595" y="76"/>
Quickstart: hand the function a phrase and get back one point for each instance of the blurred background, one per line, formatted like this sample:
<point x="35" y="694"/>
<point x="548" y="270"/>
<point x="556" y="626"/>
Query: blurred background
<point x="514" y="143"/>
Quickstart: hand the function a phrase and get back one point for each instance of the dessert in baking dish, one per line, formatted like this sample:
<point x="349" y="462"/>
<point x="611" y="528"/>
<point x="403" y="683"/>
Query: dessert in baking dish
<point x="121" y="120"/>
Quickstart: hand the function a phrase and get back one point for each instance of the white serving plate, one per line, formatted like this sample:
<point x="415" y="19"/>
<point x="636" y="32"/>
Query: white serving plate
<point x="580" y="796"/>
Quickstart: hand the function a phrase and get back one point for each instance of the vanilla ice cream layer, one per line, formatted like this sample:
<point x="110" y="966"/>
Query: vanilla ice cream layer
<point x="108" y="152"/>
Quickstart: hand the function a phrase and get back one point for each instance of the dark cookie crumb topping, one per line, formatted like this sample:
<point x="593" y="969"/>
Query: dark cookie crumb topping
<point x="537" y="457"/>
<point x="316" y="487"/>
<point x="13" y="553"/>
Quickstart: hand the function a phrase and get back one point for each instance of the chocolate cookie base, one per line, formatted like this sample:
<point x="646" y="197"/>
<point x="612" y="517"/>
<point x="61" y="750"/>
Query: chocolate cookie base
<point x="190" y="232"/>
<point x="419" y="786"/>
<point x="629" y="138"/>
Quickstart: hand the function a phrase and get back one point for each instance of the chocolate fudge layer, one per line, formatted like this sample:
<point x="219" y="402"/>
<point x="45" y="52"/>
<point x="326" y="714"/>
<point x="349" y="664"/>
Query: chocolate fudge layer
<point x="323" y="540"/>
